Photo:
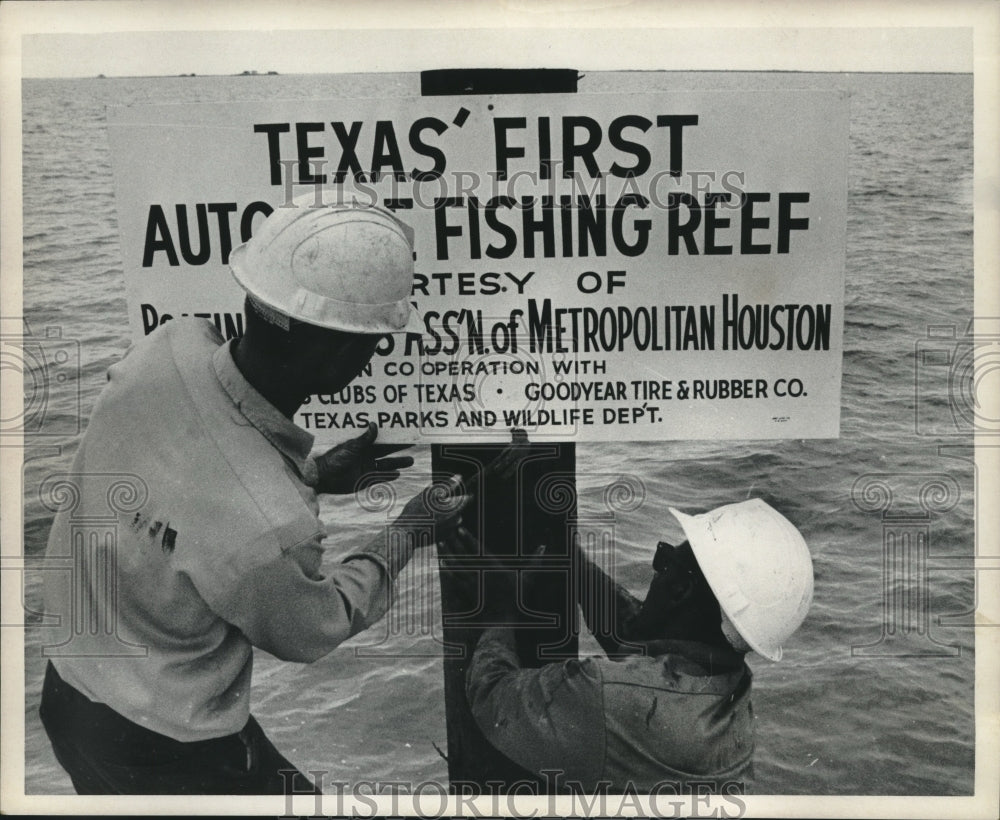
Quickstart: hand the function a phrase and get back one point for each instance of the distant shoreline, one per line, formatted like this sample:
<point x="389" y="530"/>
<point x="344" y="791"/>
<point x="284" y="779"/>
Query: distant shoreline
<point x="623" y="71"/>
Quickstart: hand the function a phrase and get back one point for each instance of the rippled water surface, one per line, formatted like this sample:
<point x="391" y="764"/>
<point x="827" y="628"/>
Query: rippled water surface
<point x="830" y="721"/>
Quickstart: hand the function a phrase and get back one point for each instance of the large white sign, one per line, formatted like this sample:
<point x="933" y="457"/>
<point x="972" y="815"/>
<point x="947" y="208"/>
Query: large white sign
<point x="589" y="267"/>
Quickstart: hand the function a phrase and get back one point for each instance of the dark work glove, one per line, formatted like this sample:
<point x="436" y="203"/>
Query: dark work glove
<point x="358" y="463"/>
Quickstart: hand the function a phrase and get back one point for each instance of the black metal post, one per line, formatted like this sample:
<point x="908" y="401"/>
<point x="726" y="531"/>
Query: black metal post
<point x="511" y="518"/>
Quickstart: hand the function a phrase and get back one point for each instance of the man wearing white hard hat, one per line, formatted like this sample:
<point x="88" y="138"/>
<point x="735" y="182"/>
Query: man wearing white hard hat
<point x="219" y="546"/>
<point x="669" y="709"/>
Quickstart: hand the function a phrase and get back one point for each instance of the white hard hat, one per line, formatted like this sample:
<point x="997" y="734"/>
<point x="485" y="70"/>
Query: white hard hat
<point x="758" y="565"/>
<point x="345" y="267"/>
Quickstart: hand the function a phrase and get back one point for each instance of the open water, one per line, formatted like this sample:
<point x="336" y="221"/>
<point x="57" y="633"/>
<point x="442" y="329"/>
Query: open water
<point x="830" y="719"/>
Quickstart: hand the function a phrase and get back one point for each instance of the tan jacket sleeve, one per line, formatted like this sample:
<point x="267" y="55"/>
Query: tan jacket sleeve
<point x="293" y="610"/>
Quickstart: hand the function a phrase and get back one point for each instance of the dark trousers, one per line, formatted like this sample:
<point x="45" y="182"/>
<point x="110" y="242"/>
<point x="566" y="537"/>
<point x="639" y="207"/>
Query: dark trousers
<point x="105" y="753"/>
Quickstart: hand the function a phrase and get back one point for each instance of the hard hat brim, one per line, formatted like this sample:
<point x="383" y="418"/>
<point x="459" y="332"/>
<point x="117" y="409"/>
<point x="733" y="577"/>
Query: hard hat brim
<point x="415" y="323"/>
<point x="342" y="316"/>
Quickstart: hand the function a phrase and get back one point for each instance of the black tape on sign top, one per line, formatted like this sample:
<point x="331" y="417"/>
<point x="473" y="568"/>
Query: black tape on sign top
<point x="509" y="517"/>
<point x="451" y="81"/>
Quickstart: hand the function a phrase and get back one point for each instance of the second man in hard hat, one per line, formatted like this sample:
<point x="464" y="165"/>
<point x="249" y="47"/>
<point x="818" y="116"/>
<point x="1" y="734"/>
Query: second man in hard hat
<point x="218" y="542"/>
<point x="669" y="709"/>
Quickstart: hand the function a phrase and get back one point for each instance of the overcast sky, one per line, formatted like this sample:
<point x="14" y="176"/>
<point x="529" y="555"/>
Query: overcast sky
<point x="322" y="51"/>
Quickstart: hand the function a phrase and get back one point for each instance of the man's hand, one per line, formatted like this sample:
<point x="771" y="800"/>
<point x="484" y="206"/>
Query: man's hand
<point x="484" y="590"/>
<point x="359" y="462"/>
<point x="504" y="466"/>
<point x="438" y="506"/>
<point x="437" y="503"/>
<point x="491" y="584"/>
